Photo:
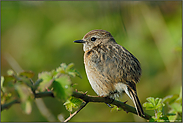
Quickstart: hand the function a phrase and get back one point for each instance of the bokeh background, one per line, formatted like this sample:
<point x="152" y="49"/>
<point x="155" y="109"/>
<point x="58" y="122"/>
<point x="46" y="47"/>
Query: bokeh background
<point x="39" y="35"/>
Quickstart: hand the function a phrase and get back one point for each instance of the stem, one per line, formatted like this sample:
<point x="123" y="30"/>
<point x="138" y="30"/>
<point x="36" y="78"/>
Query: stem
<point x="37" y="95"/>
<point x="44" y="94"/>
<point x="8" y="105"/>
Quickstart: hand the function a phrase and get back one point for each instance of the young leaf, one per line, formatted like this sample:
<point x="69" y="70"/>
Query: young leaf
<point x="172" y="118"/>
<point x="8" y="81"/>
<point x="149" y="106"/>
<point x="158" y="103"/>
<point x="115" y="108"/>
<point x="72" y="102"/>
<point x="170" y="98"/>
<point x="69" y="66"/>
<point x="62" y="87"/>
<point x="176" y="107"/>
<point x="73" y="73"/>
<point x="46" y="78"/>
<point x="164" y="119"/>
<point x="179" y="99"/>
<point x="60" y="70"/>
<point x="153" y="104"/>
<point x="8" y="85"/>
<point x="28" y="74"/>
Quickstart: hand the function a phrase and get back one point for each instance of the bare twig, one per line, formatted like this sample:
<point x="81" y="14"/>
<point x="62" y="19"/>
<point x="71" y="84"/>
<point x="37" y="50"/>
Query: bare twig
<point x="8" y="105"/>
<point x="37" y="95"/>
<point x="44" y="94"/>
<point x="81" y="107"/>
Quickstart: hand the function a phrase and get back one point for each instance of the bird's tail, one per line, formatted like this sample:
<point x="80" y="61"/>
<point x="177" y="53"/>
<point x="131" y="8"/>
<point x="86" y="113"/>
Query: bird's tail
<point x="136" y="102"/>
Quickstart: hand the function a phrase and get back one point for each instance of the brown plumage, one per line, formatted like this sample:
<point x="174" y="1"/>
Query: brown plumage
<point x="110" y="68"/>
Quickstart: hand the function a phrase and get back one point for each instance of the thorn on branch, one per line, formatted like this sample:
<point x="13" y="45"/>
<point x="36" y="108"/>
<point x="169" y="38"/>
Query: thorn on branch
<point x="125" y="102"/>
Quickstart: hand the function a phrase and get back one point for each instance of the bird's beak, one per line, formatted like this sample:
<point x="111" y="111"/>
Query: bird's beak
<point x="79" y="41"/>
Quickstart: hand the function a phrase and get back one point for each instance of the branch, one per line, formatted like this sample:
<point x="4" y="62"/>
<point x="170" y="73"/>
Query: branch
<point x="37" y="95"/>
<point x="44" y="94"/>
<point x="8" y="105"/>
<point x="122" y="105"/>
<point x="87" y="99"/>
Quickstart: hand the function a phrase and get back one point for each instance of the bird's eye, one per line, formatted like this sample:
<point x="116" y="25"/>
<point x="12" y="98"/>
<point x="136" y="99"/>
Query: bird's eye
<point x="93" y="39"/>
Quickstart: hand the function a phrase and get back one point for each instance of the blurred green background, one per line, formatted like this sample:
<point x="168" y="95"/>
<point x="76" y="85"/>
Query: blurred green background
<point x="39" y="35"/>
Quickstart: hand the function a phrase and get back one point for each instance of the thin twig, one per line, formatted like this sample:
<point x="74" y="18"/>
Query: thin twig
<point x="8" y="105"/>
<point x="44" y="94"/>
<point x="37" y="95"/>
<point x="81" y="107"/>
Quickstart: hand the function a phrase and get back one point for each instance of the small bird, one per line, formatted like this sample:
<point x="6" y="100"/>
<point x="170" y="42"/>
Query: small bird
<point x="111" y="69"/>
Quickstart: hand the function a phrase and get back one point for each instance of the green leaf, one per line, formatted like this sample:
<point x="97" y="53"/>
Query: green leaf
<point x="8" y="84"/>
<point x="64" y="69"/>
<point x="159" y="114"/>
<point x="170" y="98"/>
<point x="179" y="99"/>
<point x="115" y="108"/>
<point x="163" y="119"/>
<point x="170" y="114"/>
<point x="62" y="87"/>
<point x="74" y="73"/>
<point x="54" y="72"/>
<point x="8" y="81"/>
<point x="60" y="70"/>
<point x="46" y="80"/>
<point x="172" y="118"/>
<point x="149" y="106"/>
<point x="69" y="66"/>
<point x="153" y="104"/>
<point x="28" y="74"/>
<point x="72" y="102"/>
<point x="68" y="105"/>
<point x="158" y="103"/>
<point x="151" y="120"/>
<point x="177" y="107"/>
<point x="151" y="100"/>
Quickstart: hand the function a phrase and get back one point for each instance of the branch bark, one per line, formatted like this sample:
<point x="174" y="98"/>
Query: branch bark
<point x="122" y="105"/>
<point x="8" y="105"/>
<point x="37" y="95"/>
<point x="87" y="99"/>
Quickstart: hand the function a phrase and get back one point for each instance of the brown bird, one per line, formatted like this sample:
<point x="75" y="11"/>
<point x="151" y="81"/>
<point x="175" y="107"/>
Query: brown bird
<point x="110" y="68"/>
